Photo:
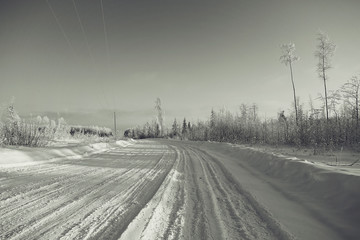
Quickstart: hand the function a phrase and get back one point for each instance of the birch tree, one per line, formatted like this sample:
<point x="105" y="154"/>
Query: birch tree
<point x="288" y="57"/>
<point x="324" y="51"/>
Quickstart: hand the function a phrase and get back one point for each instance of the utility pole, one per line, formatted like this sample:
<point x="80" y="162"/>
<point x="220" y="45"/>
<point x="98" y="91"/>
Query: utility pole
<point x="115" y="125"/>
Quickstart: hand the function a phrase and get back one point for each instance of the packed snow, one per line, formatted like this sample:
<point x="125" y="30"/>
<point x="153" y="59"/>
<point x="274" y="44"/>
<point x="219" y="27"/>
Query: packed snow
<point x="169" y="189"/>
<point x="25" y="156"/>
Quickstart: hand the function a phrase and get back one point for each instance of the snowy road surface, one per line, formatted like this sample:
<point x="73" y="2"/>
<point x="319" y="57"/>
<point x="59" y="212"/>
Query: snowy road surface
<point x="164" y="190"/>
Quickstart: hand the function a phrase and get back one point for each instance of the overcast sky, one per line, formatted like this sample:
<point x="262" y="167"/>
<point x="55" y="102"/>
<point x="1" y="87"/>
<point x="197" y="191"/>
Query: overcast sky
<point x="194" y="55"/>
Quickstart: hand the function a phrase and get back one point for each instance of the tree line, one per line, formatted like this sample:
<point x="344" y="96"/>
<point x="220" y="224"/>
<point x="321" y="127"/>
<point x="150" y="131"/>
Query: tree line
<point x="334" y="124"/>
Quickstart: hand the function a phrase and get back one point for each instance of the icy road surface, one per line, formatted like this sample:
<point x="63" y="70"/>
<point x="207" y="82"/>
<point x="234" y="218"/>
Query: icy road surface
<point x="162" y="190"/>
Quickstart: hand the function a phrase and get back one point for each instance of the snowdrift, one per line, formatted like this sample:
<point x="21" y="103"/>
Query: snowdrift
<point x="24" y="156"/>
<point x="335" y="188"/>
<point x="125" y="143"/>
<point x="338" y="189"/>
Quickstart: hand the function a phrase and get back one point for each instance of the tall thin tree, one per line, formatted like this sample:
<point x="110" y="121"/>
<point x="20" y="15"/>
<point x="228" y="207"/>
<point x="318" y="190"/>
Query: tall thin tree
<point x="324" y="51"/>
<point x="288" y="57"/>
<point x="159" y="115"/>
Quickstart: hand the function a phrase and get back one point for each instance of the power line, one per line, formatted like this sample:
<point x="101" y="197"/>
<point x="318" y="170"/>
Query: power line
<point x="115" y="125"/>
<point x="106" y="100"/>
<point x="105" y="31"/>
<point x="114" y="100"/>
<point x="60" y="26"/>
<point x="83" y="32"/>
<point x="106" y="47"/>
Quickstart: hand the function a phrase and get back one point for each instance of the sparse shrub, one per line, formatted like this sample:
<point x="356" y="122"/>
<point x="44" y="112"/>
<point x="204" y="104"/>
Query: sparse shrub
<point x="15" y="131"/>
<point x="92" y="130"/>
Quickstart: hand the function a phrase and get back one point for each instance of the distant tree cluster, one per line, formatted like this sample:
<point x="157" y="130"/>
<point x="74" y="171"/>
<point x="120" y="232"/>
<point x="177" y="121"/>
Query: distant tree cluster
<point x="312" y="130"/>
<point x="177" y="131"/>
<point x="149" y="130"/>
<point x="180" y="130"/>
<point x="39" y="131"/>
<point x="155" y="129"/>
<point x="92" y="130"/>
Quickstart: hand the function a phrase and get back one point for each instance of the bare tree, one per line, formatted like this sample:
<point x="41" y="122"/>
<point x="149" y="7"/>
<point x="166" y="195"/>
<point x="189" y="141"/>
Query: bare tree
<point x="288" y="57"/>
<point x="351" y="94"/>
<point x="324" y="51"/>
<point x="159" y="115"/>
<point x="334" y="100"/>
<point x="254" y="109"/>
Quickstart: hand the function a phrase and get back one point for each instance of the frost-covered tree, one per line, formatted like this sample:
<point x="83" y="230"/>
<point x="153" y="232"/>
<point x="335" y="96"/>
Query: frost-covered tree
<point x="334" y="98"/>
<point x="159" y="117"/>
<point x="10" y="125"/>
<point x="288" y="57"/>
<point x="324" y="51"/>
<point x="148" y="130"/>
<point x="351" y="94"/>
<point x="62" y="129"/>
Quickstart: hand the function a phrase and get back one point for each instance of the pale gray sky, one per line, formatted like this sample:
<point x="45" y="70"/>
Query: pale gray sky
<point x="194" y="55"/>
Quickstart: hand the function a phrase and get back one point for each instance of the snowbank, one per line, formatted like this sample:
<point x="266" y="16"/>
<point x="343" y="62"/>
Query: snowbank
<point x="330" y="165"/>
<point x="125" y="143"/>
<point x="336" y="188"/>
<point x="24" y="156"/>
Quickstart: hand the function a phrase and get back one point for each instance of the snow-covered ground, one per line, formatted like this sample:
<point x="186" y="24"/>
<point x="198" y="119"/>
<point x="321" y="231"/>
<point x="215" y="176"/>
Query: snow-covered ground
<point x="23" y="156"/>
<point x="345" y="162"/>
<point x="299" y="189"/>
<point x="161" y="189"/>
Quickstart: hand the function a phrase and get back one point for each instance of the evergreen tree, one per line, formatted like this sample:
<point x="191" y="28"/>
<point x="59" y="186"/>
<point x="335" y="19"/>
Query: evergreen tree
<point x="212" y="129"/>
<point x="174" y="129"/>
<point x="157" y="130"/>
<point x="184" y="126"/>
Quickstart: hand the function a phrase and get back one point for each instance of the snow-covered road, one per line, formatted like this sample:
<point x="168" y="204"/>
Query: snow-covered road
<point x="164" y="190"/>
